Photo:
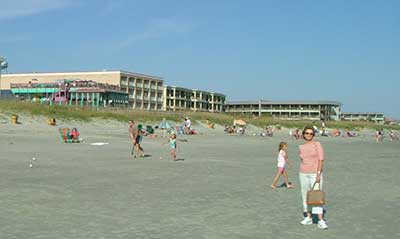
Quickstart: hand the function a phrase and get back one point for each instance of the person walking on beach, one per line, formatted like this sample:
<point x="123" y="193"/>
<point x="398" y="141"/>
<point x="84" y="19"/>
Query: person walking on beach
<point x="188" y="124"/>
<point x="311" y="167"/>
<point x="172" y="145"/>
<point x="283" y="160"/>
<point x="135" y="137"/>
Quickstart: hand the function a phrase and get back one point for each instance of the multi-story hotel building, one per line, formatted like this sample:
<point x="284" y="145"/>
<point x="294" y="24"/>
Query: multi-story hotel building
<point x="145" y="91"/>
<point x="181" y="99"/>
<point x="363" y="116"/>
<point x="311" y="110"/>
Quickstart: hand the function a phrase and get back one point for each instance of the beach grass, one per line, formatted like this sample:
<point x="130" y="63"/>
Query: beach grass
<point x="123" y="115"/>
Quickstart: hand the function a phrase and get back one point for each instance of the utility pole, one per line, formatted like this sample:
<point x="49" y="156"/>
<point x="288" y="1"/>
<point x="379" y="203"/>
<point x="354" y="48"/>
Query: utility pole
<point x="3" y="65"/>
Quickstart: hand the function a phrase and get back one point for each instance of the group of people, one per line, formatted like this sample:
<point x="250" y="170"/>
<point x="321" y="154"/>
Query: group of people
<point x="380" y="135"/>
<point x="235" y="129"/>
<point x="178" y="129"/>
<point x="311" y="154"/>
<point x="136" y="136"/>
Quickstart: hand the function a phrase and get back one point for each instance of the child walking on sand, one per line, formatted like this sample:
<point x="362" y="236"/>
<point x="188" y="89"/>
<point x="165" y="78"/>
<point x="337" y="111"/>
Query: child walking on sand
<point x="282" y="161"/>
<point x="172" y="145"/>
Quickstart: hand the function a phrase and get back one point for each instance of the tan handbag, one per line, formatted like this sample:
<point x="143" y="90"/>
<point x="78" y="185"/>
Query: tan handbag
<point x="315" y="197"/>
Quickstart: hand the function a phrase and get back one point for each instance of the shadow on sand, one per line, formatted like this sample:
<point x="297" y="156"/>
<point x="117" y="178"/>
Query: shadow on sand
<point x="283" y="185"/>
<point x="315" y="216"/>
<point x="181" y="159"/>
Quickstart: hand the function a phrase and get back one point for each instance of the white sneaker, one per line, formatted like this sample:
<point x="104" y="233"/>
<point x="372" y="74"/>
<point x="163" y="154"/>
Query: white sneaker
<point x="306" y="221"/>
<point x="322" y="224"/>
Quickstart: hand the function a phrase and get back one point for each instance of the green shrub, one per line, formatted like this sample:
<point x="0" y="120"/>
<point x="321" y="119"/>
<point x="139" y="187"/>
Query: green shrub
<point x="123" y="115"/>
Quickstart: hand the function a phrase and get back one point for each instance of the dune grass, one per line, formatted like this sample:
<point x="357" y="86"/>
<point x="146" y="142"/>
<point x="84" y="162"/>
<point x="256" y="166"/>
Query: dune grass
<point x="118" y="114"/>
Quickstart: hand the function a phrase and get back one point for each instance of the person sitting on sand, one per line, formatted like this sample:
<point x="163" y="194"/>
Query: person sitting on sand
<point x="74" y="135"/>
<point x="226" y="128"/>
<point x="269" y="131"/>
<point x="294" y="134"/>
<point x="349" y="133"/>
<point x="336" y="132"/>
<point x="393" y="136"/>
<point x="241" y="130"/>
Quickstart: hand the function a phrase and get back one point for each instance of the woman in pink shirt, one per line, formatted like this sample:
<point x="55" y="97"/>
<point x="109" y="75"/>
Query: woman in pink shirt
<point x="312" y="161"/>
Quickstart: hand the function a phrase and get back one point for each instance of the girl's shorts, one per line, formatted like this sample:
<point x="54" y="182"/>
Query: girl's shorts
<point x="281" y="169"/>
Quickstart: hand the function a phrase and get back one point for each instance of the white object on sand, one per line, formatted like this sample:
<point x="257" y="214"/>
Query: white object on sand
<point x="98" y="143"/>
<point x="30" y="165"/>
<point x="33" y="159"/>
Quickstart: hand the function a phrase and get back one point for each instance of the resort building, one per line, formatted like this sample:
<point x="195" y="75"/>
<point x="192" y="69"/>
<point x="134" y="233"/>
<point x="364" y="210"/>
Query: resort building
<point x="363" y="116"/>
<point x="183" y="99"/>
<point x="69" y="92"/>
<point x="310" y="110"/>
<point x="144" y="91"/>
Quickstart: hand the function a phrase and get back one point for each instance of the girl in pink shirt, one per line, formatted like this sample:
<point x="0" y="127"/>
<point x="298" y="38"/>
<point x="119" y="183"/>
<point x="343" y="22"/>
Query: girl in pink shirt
<point x="312" y="161"/>
<point x="282" y="161"/>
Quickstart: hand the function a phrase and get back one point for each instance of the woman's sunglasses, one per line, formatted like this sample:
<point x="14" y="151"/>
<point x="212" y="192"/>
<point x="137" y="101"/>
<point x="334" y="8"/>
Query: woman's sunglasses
<point x="309" y="133"/>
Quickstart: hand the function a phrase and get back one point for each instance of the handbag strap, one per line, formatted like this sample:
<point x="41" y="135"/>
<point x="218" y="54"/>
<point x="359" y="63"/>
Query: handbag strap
<point x="315" y="184"/>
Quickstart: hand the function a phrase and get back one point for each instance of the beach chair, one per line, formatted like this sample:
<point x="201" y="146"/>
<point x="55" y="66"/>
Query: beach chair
<point x="51" y="121"/>
<point x="65" y="135"/>
<point x="149" y="129"/>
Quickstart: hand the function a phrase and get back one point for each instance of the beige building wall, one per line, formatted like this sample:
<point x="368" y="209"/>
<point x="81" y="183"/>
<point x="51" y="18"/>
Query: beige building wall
<point x="145" y="92"/>
<point x="217" y="102"/>
<point x="180" y="99"/>
<point x="318" y="110"/>
<point x="176" y="98"/>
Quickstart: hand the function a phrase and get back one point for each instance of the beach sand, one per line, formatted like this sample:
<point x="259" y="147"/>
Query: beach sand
<point x="219" y="188"/>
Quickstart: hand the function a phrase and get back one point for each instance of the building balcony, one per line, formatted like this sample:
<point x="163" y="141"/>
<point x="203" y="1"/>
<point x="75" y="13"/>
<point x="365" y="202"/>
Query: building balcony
<point x="131" y="84"/>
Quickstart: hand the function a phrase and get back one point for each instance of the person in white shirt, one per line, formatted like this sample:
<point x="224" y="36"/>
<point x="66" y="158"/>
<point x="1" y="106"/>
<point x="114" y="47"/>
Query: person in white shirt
<point x="282" y="161"/>
<point x="188" y="124"/>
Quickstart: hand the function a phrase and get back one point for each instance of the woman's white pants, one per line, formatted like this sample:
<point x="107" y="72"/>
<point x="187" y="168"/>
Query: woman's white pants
<point x="307" y="181"/>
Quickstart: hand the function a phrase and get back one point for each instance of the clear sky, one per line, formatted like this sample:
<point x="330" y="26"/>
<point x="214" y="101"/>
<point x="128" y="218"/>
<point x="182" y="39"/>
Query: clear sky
<point x="342" y="50"/>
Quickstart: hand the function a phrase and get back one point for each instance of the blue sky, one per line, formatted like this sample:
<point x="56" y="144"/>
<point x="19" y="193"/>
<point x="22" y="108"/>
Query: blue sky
<point x="347" y="51"/>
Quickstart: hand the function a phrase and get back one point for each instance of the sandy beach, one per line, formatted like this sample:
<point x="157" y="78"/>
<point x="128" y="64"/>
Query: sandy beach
<point x="218" y="189"/>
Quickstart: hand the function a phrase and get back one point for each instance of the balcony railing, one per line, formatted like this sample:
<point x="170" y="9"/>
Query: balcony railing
<point x="71" y="84"/>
